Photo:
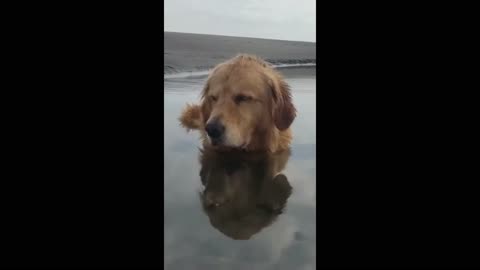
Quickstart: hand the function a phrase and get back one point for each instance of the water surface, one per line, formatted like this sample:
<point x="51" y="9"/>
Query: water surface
<point x="191" y="240"/>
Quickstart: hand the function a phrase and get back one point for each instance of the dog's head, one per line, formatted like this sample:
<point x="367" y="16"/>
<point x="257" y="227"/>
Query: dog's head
<point x="243" y="99"/>
<point x="243" y="193"/>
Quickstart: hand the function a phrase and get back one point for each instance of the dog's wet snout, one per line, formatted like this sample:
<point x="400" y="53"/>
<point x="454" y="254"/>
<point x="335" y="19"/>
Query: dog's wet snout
<point x="215" y="129"/>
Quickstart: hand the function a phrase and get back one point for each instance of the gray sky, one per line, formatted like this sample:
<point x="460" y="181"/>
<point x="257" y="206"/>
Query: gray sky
<point x="274" y="19"/>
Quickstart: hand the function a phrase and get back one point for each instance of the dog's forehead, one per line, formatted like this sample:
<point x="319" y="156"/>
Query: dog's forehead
<point x="237" y="79"/>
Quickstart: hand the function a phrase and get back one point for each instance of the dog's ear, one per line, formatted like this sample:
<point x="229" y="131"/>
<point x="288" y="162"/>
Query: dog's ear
<point x="191" y="117"/>
<point x="283" y="110"/>
<point x="275" y="193"/>
<point x="195" y="116"/>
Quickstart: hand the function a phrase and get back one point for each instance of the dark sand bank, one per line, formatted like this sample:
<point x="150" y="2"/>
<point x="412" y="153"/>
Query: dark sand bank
<point x="195" y="52"/>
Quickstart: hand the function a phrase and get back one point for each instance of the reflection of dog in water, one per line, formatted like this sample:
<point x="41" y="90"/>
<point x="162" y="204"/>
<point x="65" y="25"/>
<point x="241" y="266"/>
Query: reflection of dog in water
<point x="244" y="192"/>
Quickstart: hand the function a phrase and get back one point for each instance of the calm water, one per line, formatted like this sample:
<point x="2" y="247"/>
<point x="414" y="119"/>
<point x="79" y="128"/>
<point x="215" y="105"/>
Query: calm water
<point x="197" y="237"/>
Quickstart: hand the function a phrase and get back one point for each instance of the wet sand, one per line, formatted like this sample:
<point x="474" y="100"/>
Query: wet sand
<point x="191" y="241"/>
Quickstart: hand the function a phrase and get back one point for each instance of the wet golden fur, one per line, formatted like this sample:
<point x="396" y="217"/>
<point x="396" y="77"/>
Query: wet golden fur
<point x="252" y="101"/>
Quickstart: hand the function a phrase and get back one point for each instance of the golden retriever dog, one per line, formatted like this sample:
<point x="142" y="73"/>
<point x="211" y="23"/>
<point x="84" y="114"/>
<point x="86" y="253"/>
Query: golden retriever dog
<point x="244" y="192"/>
<point x="245" y="104"/>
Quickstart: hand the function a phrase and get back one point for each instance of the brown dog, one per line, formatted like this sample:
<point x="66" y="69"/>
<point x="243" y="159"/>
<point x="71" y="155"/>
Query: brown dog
<point x="244" y="192"/>
<point x="246" y="104"/>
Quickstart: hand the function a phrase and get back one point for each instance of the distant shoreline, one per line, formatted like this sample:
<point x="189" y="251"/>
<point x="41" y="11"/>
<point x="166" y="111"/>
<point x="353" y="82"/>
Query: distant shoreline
<point x="191" y="53"/>
<point x="213" y="35"/>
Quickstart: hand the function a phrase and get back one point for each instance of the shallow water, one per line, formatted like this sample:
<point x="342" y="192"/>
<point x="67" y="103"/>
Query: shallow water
<point x="193" y="235"/>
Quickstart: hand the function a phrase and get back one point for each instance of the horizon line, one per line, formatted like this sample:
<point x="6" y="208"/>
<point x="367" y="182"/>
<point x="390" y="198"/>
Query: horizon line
<point x="238" y="36"/>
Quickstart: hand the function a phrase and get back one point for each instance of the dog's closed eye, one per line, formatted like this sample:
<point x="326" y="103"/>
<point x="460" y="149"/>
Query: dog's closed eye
<point x="242" y="98"/>
<point x="213" y="98"/>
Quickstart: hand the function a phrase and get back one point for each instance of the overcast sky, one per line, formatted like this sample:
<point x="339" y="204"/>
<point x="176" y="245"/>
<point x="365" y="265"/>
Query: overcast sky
<point x="274" y="19"/>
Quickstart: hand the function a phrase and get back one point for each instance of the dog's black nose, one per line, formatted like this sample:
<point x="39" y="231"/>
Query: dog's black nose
<point x="215" y="130"/>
